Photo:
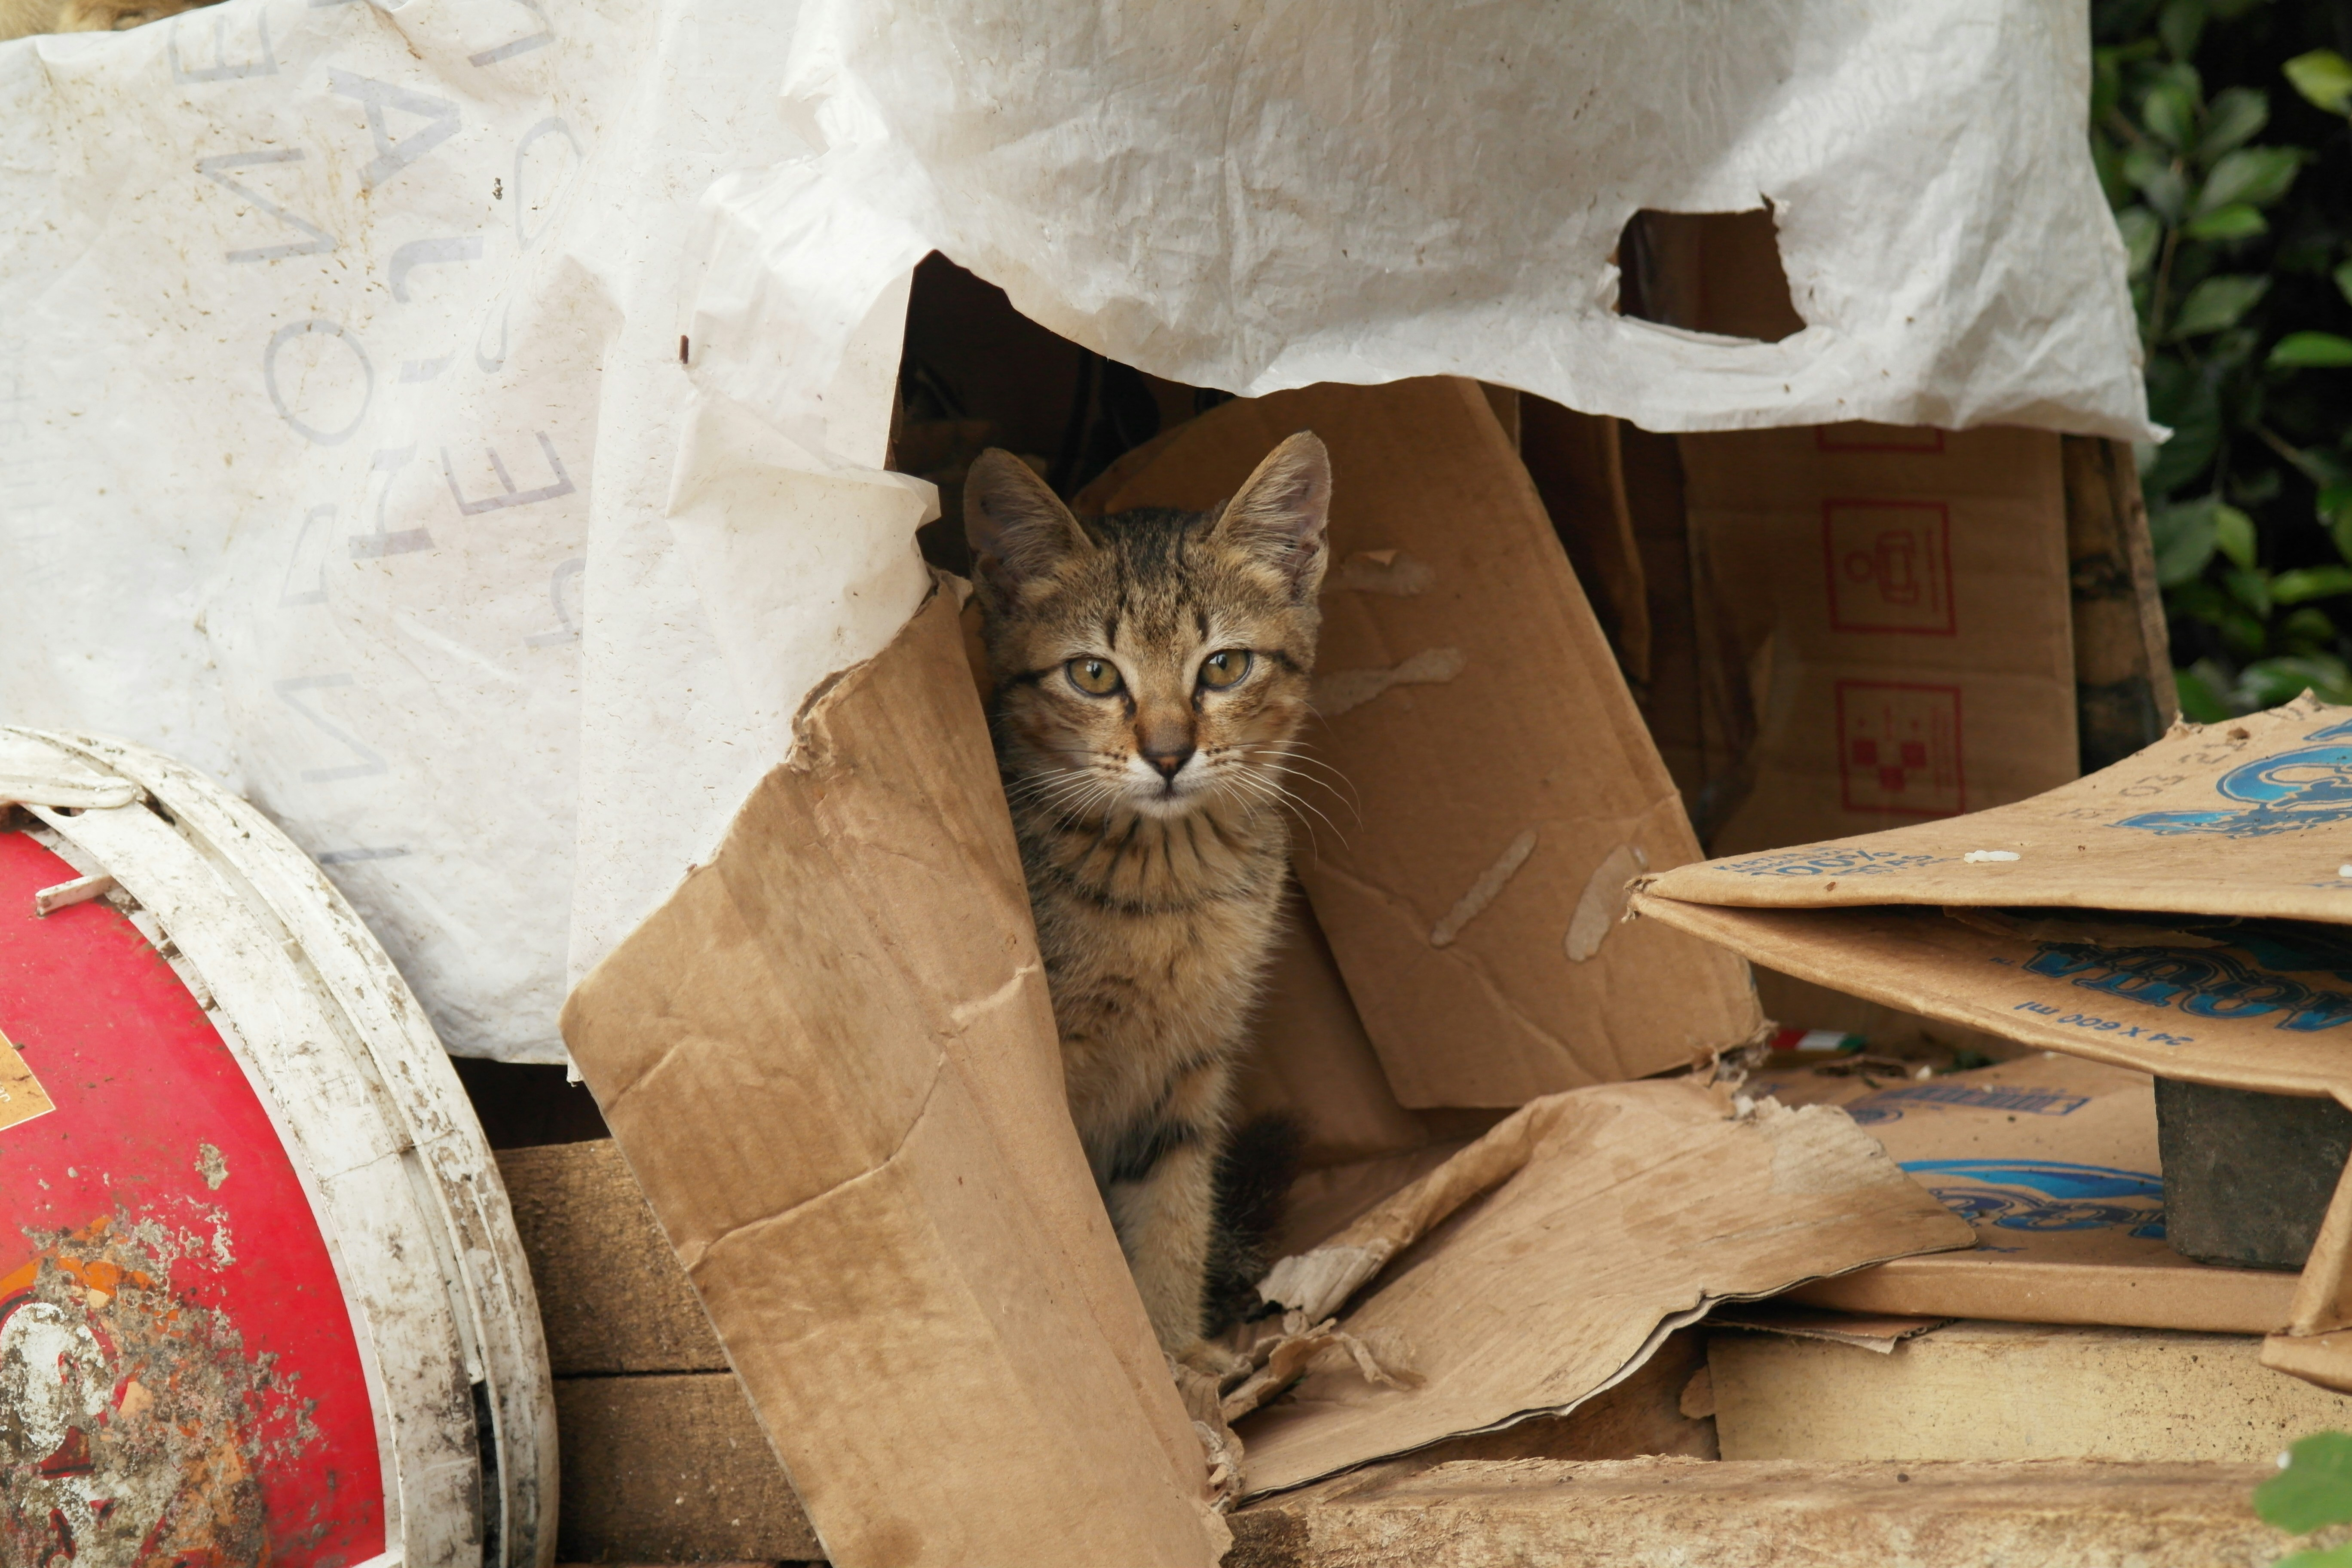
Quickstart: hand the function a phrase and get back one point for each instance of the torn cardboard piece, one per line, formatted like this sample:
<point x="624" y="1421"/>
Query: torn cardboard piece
<point x="1492" y="756"/>
<point x="831" y="1061"/>
<point x="1548" y="1259"/>
<point x="2053" y="1159"/>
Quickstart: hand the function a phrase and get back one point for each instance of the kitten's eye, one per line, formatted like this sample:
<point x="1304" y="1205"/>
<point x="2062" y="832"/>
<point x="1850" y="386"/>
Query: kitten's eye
<point x="1095" y="676"/>
<point x="1225" y="667"/>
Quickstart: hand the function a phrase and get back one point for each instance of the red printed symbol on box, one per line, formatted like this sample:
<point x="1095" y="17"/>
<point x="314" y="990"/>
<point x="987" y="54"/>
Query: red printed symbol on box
<point x="1899" y="748"/>
<point x="1890" y="567"/>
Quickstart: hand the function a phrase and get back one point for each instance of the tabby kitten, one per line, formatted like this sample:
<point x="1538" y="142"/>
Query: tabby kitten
<point x="1150" y="672"/>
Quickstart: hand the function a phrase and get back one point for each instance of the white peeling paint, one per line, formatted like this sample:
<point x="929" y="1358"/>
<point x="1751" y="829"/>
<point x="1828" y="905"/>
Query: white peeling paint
<point x="1391" y="571"/>
<point x="1603" y="901"/>
<point x="1343" y="689"/>
<point x="1484" y="890"/>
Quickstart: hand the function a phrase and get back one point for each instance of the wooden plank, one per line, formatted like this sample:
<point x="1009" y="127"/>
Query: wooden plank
<point x="1690" y="1514"/>
<point x="613" y="1295"/>
<point x="672" y="1469"/>
<point x="2012" y="1391"/>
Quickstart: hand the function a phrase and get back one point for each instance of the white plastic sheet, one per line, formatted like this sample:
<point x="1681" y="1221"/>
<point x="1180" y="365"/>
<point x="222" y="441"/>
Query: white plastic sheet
<point x="347" y="450"/>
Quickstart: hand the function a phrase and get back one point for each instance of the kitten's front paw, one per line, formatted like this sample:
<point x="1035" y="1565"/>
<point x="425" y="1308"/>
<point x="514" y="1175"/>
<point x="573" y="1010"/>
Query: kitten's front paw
<point x="1212" y="1361"/>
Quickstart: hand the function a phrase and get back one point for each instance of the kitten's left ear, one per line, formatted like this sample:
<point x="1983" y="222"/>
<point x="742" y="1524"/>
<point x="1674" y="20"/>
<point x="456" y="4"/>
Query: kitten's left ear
<point x="1018" y="528"/>
<point x="1280" y="512"/>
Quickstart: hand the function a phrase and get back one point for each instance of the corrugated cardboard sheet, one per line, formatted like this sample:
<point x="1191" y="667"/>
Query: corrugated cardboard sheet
<point x="831" y="1061"/>
<point x="1499" y="787"/>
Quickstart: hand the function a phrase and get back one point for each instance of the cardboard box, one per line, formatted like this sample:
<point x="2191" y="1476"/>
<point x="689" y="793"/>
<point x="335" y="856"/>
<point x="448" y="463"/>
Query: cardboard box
<point x="1854" y="623"/>
<point x="2181" y="912"/>
<point x="2053" y="1159"/>
<point x="1500" y="784"/>
<point x="1901" y="599"/>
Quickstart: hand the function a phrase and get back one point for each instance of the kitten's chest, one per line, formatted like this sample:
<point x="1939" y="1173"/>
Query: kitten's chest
<point x="1189" y="969"/>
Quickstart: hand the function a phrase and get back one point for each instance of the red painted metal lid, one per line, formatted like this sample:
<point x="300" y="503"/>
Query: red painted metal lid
<point x="261" y="1297"/>
<point x="180" y="1381"/>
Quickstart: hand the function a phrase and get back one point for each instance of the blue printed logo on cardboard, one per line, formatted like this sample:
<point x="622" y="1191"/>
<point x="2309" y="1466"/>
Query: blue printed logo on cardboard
<point x="2045" y="1195"/>
<point x="2310" y="786"/>
<point x="1827" y="861"/>
<point x="2015" y="1099"/>
<point x="2250" y="979"/>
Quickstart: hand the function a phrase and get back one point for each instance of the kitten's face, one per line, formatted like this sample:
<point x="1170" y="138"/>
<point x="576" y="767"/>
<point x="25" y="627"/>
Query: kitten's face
<point x="1153" y="661"/>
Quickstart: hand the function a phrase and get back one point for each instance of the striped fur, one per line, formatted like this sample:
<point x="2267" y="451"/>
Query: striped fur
<point x="1149" y="813"/>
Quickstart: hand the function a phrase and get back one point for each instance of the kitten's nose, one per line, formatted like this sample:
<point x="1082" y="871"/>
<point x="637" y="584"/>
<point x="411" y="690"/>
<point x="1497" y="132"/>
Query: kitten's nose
<point x="1170" y="763"/>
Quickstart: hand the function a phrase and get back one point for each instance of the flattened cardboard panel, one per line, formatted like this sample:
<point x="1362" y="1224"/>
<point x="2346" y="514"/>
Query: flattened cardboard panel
<point x="2052" y="1159"/>
<point x="2242" y="818"/>
<point x="1912" y="587"/>
<point x="1623" y="1212"/>
<point x="2264" y="1010"/>
<point x="1506" y="785"/>
<point x="830" y="1062"/>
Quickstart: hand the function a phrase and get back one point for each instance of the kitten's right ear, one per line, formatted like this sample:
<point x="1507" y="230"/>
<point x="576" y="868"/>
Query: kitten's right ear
<point x="1018" y="528"/>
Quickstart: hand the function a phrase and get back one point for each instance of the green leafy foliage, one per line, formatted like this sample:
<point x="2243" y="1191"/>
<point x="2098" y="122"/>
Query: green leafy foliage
<point x="2333" y="1557"/>
<point x="2313" y="1490"/>
<point x="2311" y="351"/>
<point x="2325" y="77"/>
<point x="2221" y="131"/>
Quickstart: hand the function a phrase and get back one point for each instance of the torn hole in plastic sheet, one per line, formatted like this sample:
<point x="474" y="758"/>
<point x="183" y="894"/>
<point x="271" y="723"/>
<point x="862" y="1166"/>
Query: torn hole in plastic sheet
<point x="1717" y="272"/>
